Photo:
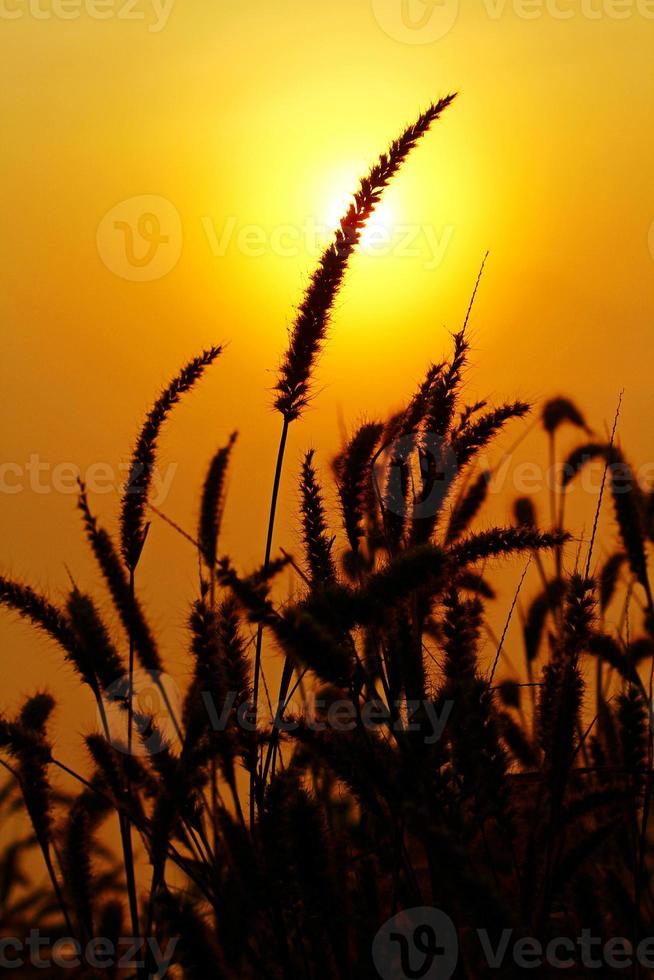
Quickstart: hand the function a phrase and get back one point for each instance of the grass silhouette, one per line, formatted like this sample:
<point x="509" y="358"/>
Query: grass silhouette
<point x="279" y="844"/>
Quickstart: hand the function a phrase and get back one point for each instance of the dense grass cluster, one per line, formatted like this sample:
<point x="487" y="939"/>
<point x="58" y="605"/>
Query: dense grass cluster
<point x="280" y="841"/>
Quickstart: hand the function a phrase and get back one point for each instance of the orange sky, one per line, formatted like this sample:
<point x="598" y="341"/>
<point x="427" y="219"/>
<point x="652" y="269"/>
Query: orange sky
<point x="253" y="121"/>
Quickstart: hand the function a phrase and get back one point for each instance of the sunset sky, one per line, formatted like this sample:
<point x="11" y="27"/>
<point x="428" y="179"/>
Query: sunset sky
<point x="242" y="128"/>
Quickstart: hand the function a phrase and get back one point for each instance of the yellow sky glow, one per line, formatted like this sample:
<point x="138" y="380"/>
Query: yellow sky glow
<point x="253" y="122"/>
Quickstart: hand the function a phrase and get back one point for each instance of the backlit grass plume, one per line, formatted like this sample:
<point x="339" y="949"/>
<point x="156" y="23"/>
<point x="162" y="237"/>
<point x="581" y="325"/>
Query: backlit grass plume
<point x="134" y="503"/>
<point x="317" y="541"/>
<point x="213" y="499"/>
<point x="118" y="583"/>
<point x="78" y="631"/>
<point x="309" y="329"/>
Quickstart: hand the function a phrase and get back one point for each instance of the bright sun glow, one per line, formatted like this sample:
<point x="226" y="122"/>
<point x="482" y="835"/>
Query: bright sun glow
<point x="378" y="230"/>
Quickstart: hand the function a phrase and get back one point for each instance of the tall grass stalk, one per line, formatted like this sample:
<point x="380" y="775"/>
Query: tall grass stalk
<point x="310" y="329"/>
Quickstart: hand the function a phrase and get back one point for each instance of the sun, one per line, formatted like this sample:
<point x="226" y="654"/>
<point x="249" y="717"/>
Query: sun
<point x="378" y="231"/>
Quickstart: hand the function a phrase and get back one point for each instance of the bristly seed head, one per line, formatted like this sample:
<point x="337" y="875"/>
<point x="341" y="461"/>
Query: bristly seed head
<point x="133" y="526"/>
<point x="310" y="328"/>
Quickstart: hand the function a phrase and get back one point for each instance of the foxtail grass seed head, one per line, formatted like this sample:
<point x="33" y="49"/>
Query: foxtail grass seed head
<point x="133" y="525"/>
<point x="309" y="331"/>
<point x="212" y="503"/>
